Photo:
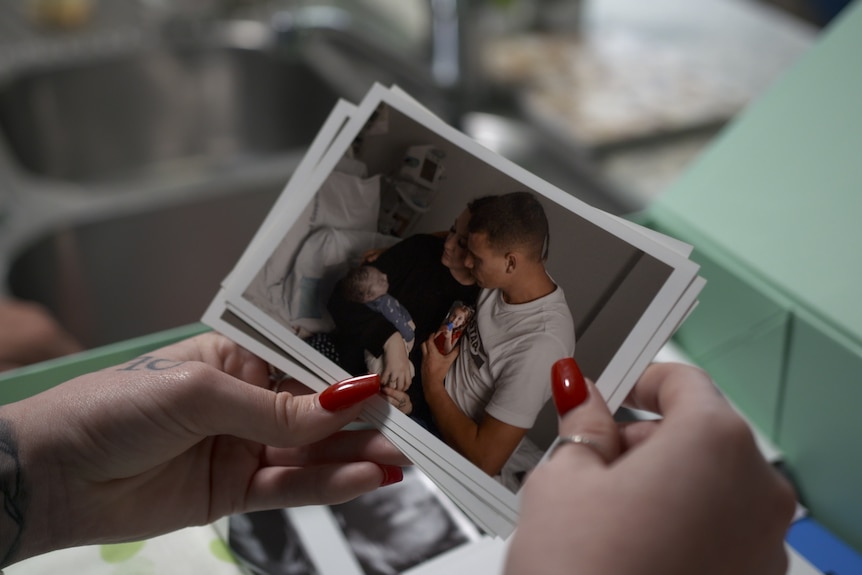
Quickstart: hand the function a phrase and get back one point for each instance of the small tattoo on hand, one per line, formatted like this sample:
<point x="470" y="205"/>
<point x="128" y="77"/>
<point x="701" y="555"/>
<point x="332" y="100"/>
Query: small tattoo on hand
<point x="150" y="363"/>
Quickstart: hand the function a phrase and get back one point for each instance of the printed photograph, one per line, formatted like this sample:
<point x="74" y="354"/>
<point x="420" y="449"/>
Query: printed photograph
<point x="267" y="543"/>
<point x="394" y="529"/>
<point x="414" y="253"/>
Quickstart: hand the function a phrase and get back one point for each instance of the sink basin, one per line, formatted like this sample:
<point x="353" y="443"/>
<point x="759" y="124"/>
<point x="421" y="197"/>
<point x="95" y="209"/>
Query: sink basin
<point x="160" y="111"/>
<point x="194" y="143"/>
<point x="175" y="155"/>
<point x="135" y="274"/>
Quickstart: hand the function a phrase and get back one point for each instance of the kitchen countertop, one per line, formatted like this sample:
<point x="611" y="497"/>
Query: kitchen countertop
<point x="636" y="92"/>
<point x="640" y="88"/>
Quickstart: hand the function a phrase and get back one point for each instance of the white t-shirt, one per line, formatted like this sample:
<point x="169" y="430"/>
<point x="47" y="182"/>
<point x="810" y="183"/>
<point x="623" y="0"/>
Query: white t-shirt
<point x="504" y="367"/>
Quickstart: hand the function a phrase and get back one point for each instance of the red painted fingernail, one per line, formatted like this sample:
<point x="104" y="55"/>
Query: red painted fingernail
<point x="349" y="392"/>
<point x="568" y="385"/>
<point x="391" y="474"/>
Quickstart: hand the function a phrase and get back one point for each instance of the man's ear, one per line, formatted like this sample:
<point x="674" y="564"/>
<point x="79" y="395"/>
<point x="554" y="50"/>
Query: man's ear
<point x="511" y="262"/>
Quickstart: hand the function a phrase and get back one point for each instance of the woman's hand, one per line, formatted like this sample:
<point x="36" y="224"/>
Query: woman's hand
<point x="688" y="494"/>
<point x="396" y="364"/>
<point x="179" y="437"/>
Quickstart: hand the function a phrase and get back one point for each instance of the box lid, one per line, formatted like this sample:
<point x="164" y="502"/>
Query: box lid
<point x="781" y="188"/>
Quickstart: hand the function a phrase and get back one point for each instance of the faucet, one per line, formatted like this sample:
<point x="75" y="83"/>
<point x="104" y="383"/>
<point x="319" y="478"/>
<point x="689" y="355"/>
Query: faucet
<point x="344" y="39"/>
<point x="353" y="43"/>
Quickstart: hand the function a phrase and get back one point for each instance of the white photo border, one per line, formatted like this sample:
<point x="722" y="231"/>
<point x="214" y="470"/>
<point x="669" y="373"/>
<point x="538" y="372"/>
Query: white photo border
<point x="332" y="144"/>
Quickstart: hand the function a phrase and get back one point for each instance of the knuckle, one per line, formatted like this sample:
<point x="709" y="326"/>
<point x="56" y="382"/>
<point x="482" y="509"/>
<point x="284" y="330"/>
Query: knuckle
<point x="720" y="421"/>
<point x="684" y="370"/>
<point x="195" y="371"/>
<point x="286" y="408"/>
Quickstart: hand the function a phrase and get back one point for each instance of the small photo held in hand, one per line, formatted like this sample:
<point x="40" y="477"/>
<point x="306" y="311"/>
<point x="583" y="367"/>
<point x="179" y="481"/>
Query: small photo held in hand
<point x="450" y="331"/>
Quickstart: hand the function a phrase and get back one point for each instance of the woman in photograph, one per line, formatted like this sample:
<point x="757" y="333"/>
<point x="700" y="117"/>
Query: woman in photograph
<point x="426" y="273"/>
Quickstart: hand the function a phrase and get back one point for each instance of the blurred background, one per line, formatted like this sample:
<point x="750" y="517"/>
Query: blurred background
<point x="143" y="141"/>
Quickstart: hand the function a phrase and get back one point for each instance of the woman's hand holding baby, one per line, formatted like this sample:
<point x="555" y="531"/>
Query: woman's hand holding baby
<point x="396" y="364"/>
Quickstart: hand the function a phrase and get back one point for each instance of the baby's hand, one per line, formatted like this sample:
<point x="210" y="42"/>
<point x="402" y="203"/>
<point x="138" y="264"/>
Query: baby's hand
<point x="399" y="399"/>
<point x="396" y="364"/>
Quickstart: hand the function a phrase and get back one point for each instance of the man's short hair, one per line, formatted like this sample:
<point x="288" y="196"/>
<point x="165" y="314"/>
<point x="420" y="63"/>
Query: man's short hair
<point x="354" y="286"/>
<point x="514" y="220"/>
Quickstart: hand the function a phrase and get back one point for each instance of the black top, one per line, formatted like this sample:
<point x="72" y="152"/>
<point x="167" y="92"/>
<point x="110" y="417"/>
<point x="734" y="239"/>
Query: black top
<point x="419" y="281"/>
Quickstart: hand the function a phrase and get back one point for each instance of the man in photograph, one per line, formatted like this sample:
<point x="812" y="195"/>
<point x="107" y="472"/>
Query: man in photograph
<point x="487" y="393"/>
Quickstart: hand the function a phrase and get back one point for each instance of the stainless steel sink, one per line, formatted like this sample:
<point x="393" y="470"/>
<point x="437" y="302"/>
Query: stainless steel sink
<point x="137" y="179"/>
<point x="159" y="111"/>
<point x="145" y="271"/>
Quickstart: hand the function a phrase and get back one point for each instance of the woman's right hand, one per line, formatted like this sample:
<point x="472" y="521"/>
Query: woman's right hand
<point x="180" y="436"/>
<point x="690" y="493"/>
<point x="396" y="364"/>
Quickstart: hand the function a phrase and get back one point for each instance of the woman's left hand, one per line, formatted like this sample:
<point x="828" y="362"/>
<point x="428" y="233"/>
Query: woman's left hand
<point x="179" y="437"/>
<point x="689" y="493"/>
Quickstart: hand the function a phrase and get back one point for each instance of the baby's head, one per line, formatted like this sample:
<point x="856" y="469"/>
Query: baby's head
<point x="364" y="284"/>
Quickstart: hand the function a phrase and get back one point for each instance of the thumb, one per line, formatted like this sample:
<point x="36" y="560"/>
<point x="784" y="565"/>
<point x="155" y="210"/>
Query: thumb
<point x="589" y="436"/>
<point x="278" y="419"/>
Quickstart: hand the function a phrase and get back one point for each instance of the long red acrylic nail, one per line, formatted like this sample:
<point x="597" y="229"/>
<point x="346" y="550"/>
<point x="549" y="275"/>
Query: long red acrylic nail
<point x="391" y="474"/>
<point x="568" y="385"/>
<point x="349" y="392"/>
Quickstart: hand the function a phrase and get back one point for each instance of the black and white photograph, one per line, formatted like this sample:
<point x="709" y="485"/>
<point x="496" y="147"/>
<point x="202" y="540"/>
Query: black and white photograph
<point x="384" y="532"/>
<point x="268" y="543"/>
<point x="395" y="529"/>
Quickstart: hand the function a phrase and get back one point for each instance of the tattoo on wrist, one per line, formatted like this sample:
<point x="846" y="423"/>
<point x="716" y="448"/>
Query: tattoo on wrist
<point x="13" y="492"/>
<point x="150" y="363"/>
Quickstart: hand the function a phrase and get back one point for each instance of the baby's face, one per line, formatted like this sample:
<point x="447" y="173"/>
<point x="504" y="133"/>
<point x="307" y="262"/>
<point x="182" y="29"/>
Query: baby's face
<point x="378" y="284"/>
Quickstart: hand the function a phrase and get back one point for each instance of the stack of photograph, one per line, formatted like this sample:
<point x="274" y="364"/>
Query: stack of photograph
<point x="401" y="246"/>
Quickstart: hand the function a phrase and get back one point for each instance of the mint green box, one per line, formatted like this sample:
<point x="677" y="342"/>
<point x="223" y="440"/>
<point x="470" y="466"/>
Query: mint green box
<point x="820" y="428"/>
<point x="774" y="211"/>
<point x="738" y="331"/>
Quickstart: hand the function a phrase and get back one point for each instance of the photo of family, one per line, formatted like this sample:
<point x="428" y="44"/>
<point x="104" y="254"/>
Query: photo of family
<point x="457" y="282"/>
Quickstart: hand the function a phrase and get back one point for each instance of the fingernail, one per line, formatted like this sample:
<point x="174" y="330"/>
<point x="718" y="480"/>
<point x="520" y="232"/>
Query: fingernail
<point x="349" y="392"/>
<point x="391" y="474"/>
<point x="568" y="385"/>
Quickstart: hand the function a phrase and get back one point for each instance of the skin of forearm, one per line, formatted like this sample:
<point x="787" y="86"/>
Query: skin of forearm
<point x="459" y="431"/>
